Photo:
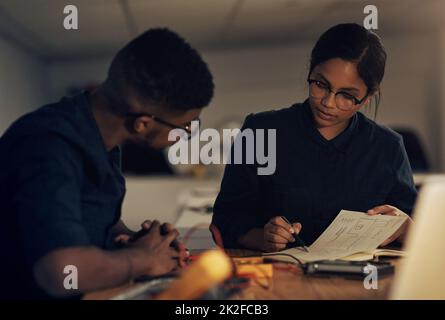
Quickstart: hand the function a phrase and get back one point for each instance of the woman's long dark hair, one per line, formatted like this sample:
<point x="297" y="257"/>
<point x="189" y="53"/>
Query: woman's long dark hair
<point x="352" y="42"/>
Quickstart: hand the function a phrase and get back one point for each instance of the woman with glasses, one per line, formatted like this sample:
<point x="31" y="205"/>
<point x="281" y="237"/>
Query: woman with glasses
<point x="329" y="156"/>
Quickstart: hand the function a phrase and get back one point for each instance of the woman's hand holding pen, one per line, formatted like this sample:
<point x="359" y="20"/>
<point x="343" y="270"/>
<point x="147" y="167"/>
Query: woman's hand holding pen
<point x="278" y="233"/>
<point x="389" y="210"/>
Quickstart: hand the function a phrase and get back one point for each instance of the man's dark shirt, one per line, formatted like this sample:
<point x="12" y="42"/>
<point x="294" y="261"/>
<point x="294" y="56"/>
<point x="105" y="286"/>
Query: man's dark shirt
<point x="365" y="166"/>
<point x="59" y="188"/>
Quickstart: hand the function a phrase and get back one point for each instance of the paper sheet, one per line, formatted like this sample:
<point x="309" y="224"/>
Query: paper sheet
<point x="351" y="232"/>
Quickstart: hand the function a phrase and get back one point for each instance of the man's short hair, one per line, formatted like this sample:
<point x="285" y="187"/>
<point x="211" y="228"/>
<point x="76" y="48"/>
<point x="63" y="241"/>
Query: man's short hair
<point x="160" y="67"/>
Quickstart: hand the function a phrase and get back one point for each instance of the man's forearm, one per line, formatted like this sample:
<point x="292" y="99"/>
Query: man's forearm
<point x="96" y="269"/>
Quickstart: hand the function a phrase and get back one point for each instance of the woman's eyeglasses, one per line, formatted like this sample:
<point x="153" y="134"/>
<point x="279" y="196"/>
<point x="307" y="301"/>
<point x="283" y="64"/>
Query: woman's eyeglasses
<point x="344" y="101"/>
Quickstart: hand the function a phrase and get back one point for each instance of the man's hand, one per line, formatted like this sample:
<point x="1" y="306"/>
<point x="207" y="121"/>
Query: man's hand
<point x="179" y="246"/>
<point x="386" y="209"/>
<point x="122" y="240"/>
<point x="155" y="250"/>
<point x="278" y="233"/>
<point x="150" y="254"/>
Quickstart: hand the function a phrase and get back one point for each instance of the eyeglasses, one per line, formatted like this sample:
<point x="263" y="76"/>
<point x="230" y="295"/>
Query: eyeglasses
<point x="187" y="128"/>
<point x="344" y="101"/>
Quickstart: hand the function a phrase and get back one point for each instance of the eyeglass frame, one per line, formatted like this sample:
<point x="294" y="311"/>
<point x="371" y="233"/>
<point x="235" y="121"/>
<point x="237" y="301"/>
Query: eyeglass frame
<point x="186" y="128"/>
<point x="356" y="100"/>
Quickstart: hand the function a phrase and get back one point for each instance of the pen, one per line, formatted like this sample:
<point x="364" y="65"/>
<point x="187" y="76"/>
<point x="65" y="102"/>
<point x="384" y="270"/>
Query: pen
<point x="300" y="243"/>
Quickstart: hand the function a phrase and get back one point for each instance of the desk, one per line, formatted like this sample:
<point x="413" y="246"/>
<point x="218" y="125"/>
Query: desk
<point x="289" y="283"/>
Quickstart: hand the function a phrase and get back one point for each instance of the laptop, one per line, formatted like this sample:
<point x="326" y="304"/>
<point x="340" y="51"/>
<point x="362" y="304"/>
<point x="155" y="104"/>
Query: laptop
<point x="421" y="274"/>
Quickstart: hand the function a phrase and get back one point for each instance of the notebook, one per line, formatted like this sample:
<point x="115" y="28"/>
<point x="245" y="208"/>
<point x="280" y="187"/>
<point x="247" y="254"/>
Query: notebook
<point x="353" y="236"/>
<point x="365" y="256"/>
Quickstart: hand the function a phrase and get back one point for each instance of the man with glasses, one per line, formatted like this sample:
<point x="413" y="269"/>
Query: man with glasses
<point x="60" y="179"/>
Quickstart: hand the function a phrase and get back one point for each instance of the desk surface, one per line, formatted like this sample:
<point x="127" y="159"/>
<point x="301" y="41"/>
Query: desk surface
<point x="289" y="283"/>
<point x="294" y="285"/>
